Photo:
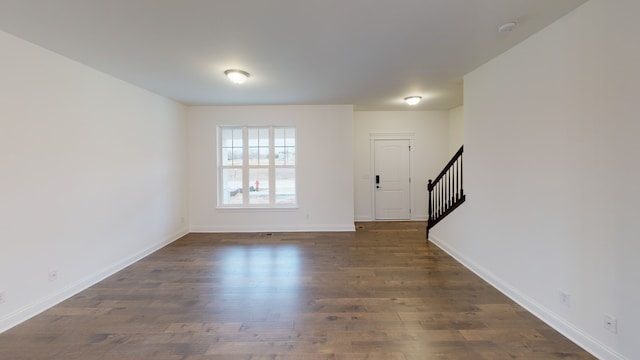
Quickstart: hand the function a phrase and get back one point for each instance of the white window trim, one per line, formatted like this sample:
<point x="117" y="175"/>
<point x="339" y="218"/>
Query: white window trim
<point x="245" y="171"/>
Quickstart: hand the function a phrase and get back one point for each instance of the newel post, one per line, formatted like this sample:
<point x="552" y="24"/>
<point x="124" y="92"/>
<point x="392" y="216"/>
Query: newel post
<point x="430" y="215"/>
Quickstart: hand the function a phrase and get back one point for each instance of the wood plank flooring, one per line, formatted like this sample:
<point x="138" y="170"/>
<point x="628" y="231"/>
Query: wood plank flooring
<point x="378" y="293"/>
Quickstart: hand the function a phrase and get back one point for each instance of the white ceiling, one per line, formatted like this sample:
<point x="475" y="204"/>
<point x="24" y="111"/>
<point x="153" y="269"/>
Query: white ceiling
<point x="370" y="53"/>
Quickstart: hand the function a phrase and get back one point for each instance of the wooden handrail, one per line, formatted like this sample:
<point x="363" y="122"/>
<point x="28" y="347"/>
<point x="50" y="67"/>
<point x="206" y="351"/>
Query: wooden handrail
<point x="446" y="192"/>
<point x="455" y="156"/>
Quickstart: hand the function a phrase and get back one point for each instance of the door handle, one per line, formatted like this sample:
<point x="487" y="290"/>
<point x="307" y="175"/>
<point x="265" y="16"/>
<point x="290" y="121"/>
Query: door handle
<point x="377" y="181"/>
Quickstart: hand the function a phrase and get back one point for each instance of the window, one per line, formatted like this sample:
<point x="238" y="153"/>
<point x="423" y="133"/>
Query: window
<point x="257" y="166"/>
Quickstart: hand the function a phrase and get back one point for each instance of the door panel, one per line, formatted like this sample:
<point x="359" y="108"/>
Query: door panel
<point x="392" y="185"/>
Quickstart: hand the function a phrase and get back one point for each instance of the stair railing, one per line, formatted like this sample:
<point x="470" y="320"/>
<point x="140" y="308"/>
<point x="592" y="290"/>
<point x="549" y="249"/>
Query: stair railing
<point x="446" y="192"/>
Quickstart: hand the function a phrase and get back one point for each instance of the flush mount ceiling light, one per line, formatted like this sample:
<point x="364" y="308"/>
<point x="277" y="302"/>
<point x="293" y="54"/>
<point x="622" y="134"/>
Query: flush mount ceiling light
<point x="237" y="76"/>
<point x="507" y="27"/>
<point x="412" y="100"/>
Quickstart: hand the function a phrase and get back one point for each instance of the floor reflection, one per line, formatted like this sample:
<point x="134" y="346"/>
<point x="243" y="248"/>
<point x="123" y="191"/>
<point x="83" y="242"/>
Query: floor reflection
<point x="260" y="278"/>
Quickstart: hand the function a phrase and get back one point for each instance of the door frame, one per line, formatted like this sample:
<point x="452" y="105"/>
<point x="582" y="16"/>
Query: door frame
<point x="373" y="137"/>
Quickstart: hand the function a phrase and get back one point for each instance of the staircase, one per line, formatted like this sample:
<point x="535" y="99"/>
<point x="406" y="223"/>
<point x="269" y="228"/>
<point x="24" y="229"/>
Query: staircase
<point x="446" y="192"/>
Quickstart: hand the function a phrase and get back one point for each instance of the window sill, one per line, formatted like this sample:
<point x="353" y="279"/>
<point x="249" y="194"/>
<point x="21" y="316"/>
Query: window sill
<point x="257" y="208"/>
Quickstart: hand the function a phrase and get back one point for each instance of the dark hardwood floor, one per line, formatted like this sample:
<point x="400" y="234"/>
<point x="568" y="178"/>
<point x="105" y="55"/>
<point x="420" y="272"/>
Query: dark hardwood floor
<point x="378" y="293"/>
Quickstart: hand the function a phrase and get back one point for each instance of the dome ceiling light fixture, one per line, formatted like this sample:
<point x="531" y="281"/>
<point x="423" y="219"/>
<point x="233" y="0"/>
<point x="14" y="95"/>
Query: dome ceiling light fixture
<point x="237" y="76"/>
<point x="412" y="100"/>
<point x="507" y="27"/>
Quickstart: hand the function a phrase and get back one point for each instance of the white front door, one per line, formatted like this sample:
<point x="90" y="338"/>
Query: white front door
<point x="392" y="185"/>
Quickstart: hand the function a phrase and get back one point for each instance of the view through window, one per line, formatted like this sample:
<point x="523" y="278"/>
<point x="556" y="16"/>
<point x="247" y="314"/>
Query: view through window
<point x="257" y="166"/>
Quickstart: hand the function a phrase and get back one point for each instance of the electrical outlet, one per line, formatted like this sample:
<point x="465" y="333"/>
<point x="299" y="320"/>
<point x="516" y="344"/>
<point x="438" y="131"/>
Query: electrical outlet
<point x="2" y="297"/>
<point x="611" y="323"/>
<point x="53" y="275"/>
<point x="565" y="298"/>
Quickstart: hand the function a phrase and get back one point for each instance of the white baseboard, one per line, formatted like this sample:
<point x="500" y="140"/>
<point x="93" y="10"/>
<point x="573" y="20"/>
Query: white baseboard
<point x="584" y="340"/>
<point x="364" y="219"/>
<point x="247" y="228"/>
<point x="370" y="219"/>
<point x="35" y="308"/>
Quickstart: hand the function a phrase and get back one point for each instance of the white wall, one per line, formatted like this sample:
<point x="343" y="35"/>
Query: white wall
<point x="551" y="173"/>
<point x="90" y="173"/>
<point x="430" y="153"/>
<point x="324" y="155"/>
<point x="456" y="129"/>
